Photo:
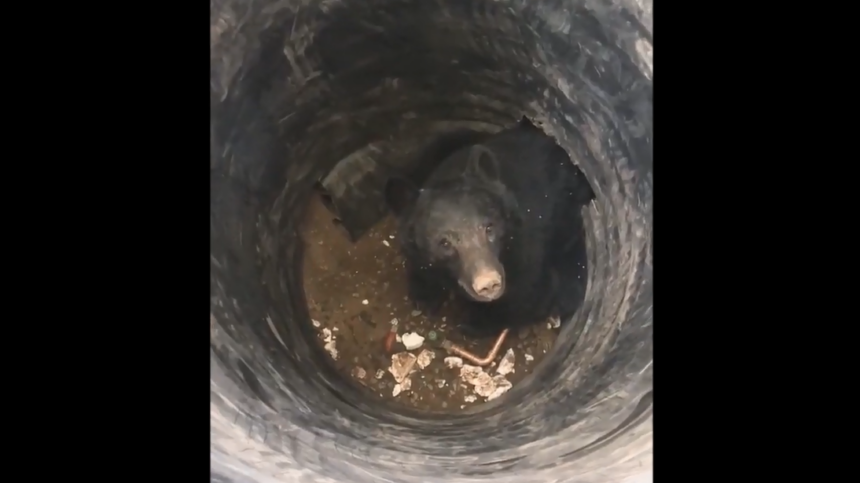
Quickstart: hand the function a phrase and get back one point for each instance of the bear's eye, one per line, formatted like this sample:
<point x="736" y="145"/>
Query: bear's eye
<point x="444" y="243"/>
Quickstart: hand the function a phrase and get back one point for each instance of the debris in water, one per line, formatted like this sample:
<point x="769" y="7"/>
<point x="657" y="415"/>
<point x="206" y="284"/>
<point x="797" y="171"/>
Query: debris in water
<point x="412" y="340"/>
<point x="425" y="357"/>
<point x="401" y="364"/>
<point x="506" y="365"/>
<point x="453" y="362"/>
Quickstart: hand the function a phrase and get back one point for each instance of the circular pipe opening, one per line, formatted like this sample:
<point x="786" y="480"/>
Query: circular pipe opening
<point x="298" y="86"/>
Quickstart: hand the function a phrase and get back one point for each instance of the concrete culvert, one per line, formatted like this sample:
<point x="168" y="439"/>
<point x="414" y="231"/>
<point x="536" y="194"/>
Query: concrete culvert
<point x="310" y="95"/>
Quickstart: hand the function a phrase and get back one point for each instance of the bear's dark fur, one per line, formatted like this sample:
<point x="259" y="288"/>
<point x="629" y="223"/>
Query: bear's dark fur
<point x="509" y="207"/>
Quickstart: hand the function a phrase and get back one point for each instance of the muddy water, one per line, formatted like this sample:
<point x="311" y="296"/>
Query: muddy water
<point x="355" y="290"/>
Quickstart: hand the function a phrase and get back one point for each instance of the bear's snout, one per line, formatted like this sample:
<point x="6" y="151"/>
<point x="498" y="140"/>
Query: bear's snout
<point x="488" y="284"/>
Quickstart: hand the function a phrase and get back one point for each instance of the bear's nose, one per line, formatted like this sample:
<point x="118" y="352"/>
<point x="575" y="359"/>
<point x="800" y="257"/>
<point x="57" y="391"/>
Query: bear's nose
<point x="488" y="284"/>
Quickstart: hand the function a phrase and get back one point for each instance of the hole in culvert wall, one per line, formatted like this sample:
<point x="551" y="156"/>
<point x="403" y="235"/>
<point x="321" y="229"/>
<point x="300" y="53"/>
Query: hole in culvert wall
<point x="295" y="91"/>
<point x="356" y="291"/>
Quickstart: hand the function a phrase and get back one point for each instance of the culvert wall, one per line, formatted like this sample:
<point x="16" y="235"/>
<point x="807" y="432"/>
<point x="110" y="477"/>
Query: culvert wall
<point x="298" y="86"/>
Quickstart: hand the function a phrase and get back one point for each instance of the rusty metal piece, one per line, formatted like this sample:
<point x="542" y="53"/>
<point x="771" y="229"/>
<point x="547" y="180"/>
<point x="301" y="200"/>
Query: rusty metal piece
<point x="388" y="342"/>
<point x="478" y="361"/>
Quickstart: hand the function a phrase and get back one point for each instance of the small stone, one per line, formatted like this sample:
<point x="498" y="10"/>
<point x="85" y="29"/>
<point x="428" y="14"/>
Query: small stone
<point x="331" y="349"/>
<point x="506" y="365"/>
<point x="453" y="362"/>
<point x="412" y="341"/>
<point x="470" y="398"/>
<point x="391" y="236"/>
<point x="315" y="322"/>
<point x="502" y="386"/>
<point x="425" y="358"/>
<point x="529" y="358"/>
<point x="385" y="242"/>
<point x="401" y="364"/>
<point x="400" y="387"/>
<point x="474" y="375"/>
<point x="416" y="313"/>
<point x="364" y="302"/>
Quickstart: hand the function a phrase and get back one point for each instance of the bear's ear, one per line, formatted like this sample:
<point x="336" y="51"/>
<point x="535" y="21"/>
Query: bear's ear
<point x="400" y="193"/>
<point x="483" y="163"/>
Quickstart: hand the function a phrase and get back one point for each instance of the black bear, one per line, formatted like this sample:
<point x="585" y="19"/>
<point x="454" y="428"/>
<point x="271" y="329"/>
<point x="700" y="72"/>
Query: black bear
<point x="499" y="224"/>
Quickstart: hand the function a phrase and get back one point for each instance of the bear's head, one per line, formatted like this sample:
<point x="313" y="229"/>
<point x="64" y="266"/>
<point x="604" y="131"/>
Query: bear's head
<point x="458" y="225"/>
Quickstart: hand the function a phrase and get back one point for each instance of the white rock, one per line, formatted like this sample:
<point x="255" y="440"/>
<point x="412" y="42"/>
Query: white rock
<point x="380" y="373"/>
<point x="529" y="357"/>
<point x="502" y="386"/>
<point x="506" y="365"/>
<point x="554" y="323"/>
<point x="453" y="362"/>
<point x="331" y="349"/>
<point x="470" y="398"/>
<point x="364" y="302"/>
<point x="425" y="358"/>
<point x="385" y="242"/>
<point x="484" y="385"/>
<point x="403" y="386"/>
<point x="474" y="375"/>
<point x="470" y="373"/>
<point x="315" y="322"/>
<point x="406" y="384"/>
<point x="412" y="341"/>
<point x="401" y="364"/>
<point x="329" y="343"/>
